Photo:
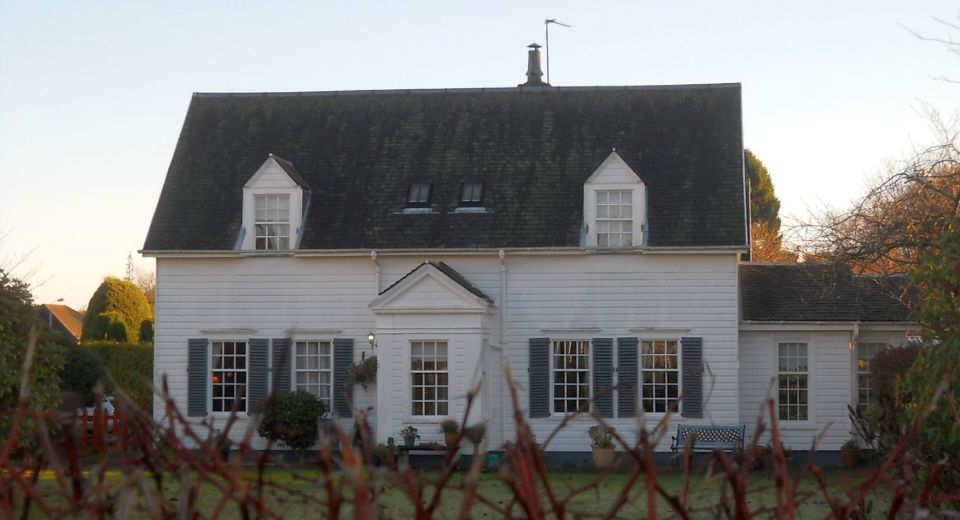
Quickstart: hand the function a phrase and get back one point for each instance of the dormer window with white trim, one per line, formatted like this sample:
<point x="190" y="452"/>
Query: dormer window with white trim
<point x="272" y="221"/>
<point x="614" y="206"/>
<point x="274" y="207"/>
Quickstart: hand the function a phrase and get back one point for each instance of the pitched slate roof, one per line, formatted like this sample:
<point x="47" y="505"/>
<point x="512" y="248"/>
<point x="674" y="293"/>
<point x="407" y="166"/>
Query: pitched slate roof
<point x="533" y="147"/>
<point x="819" y="292"/>
<point x="450" y="272"/>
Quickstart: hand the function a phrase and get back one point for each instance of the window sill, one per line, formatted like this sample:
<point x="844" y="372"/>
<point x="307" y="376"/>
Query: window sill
<point x="416" y="211"/>
<point x="427" y="419"/>
<point x="471" y="209"/>
<point x="225" y="415"/>
<point x="798" y="425"/>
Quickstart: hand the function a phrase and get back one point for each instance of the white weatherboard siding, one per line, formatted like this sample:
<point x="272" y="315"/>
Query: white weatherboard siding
<point x="832" y="380"/>
<point x="206" y="298"/>
<point x="617" y="293"/>
<point x="563" y="296"/>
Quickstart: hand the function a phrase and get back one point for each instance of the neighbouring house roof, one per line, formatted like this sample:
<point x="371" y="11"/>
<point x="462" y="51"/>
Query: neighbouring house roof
<point x="532" y="147"/>
<point x="449" y="272"/>
<point x="819" y="292"/>
<point x="69" y="319"/>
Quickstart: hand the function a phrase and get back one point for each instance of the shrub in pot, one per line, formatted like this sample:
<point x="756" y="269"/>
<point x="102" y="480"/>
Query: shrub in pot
<point x="601" y="438"/>
<point x="850" y="453"/>
<point x="290" y="419"/>
<point x="451" y="432"/>
<point x="385" y="454"/>
<point x="475" y="435"/>
<point x="410" y="436"/>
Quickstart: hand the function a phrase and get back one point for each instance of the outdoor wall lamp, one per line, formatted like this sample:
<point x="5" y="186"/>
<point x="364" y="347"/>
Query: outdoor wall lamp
<point x="372" y="338"/>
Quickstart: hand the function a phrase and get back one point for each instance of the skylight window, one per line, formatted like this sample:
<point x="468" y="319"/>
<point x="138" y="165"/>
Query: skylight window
<point x="471" y="194"/>
<point x="419" y="195"/>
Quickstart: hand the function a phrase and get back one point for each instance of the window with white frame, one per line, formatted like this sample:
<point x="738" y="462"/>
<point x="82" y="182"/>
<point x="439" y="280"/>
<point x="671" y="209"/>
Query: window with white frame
<point x="865" y="354"/>
<point x="571" y="375"/>
<point x="228" y="377"/>
<point x="792" y="382"/>
<point x="429" y="378"/>
<point x="660" y="366"/>
<point x="313" y="368"/>
<point x="614" y="218"/>
<point x="272" y="222"/>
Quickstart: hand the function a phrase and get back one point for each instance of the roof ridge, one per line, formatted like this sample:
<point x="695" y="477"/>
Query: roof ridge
<point x="471" y="90"/>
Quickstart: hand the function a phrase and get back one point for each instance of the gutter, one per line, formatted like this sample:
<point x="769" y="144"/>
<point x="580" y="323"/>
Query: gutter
<point x="202" y="253"/>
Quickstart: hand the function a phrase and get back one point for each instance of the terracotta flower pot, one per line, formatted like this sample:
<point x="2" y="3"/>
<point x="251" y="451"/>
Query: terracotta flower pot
<point x="851" y="457"/>
<point x="603" y="457"/>
<point x="451" y="439"/>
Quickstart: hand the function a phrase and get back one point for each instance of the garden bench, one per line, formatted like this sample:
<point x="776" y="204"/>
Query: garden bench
<point x="709" y="437"/>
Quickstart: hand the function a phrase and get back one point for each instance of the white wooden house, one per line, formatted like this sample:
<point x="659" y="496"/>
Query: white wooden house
<point x="584" y="237"/>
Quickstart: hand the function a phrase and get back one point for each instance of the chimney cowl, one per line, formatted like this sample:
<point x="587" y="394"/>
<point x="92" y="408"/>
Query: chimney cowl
<point x="534" y="72"/>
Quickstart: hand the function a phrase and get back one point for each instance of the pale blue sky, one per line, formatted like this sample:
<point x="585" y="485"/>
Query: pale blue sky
<point x="92" y="94"/>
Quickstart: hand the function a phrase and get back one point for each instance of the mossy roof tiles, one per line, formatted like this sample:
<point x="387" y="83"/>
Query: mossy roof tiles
<point x="819" y="292"/>
<point x="532" y="147"/>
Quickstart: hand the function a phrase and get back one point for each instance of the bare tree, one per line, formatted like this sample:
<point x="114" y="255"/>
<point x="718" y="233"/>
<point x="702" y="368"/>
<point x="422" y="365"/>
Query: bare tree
<point x="901" y="217"/>
<point x="949" y="42"/>
<point x="147" y="282"/>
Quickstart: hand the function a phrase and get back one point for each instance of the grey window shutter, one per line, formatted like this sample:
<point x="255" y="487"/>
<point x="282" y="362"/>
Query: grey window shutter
<point x="692" y="352"/>
<point x="603" y="376"/>
<point x="539" y="372"/>
<point x="628" y="375"/>
<point x="257" y="374"/>
<point x="197" y="374"/>
<point x="342" y="387"/>
<point x="281" y="365"/>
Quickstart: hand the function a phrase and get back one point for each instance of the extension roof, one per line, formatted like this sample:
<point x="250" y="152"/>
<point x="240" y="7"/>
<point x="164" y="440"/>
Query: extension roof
<point x="533" y="147"/>
<point x="819" y="292"/>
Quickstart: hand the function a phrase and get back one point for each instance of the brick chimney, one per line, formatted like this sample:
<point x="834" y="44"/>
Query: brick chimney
<point x="534" y="72"/>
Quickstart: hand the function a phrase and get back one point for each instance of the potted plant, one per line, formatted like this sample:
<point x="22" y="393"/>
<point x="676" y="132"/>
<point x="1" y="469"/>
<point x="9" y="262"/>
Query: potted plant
<point x="410" y="436"/>
<point x="850" y="452"/>
<point x="603" y="449"/>
<point x="364" y="372"/>
<point x="451" y="432"/>
<point x="787" y="454"/>
<point x="385" y="454"/>
<point x="475" y="435"/>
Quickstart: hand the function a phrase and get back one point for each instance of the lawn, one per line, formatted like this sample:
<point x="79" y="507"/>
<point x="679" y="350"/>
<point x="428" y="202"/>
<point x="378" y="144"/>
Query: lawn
<point x="288" y="490"/>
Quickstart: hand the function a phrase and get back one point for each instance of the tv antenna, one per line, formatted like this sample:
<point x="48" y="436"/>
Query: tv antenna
<point x="546" y="25"/>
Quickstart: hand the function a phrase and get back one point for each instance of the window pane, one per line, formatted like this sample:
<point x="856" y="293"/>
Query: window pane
<point x="429" y="377"/>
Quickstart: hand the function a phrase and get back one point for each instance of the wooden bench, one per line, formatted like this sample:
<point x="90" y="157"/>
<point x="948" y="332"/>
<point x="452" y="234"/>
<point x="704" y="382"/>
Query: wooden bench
<point x="709" y="437"/>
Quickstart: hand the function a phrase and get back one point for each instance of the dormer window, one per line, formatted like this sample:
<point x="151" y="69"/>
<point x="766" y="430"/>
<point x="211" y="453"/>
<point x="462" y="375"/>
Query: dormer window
<point x="614" y="206"/>
<point x="275" y="201"/>
<point x="471" y="194"/>
<point x="272" y="222"/>
<point x="614" y="218"/>
<point x="419" y="195"/>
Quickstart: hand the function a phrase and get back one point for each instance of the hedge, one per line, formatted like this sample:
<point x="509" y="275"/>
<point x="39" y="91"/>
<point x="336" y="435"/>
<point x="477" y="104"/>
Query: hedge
<point x="130" y="366"/>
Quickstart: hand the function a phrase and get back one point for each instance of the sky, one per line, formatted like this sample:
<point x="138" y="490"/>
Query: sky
<point x="93" y="94"/>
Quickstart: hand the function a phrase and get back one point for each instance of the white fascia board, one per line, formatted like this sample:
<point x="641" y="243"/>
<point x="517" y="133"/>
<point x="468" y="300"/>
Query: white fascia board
<point x="474" y="303"/>
<point x="573" y="250"/>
